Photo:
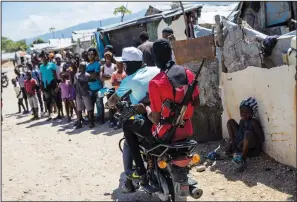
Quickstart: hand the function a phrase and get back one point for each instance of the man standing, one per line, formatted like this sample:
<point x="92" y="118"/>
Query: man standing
<point x="93" y="68"/>
<point x="167" y="33"/>
<point x="49" y="81"/>
<point x="146" y="48"/>
<point x="137" y="80"/>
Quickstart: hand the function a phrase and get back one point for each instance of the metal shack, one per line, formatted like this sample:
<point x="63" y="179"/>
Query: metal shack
<point x="127" y="33"/>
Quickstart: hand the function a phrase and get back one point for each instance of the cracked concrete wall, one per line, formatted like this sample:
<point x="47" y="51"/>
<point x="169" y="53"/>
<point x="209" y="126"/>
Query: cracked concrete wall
<point x="207" y="118"/>
<point x="242" y="48"/>
<point x="275" y="91"/>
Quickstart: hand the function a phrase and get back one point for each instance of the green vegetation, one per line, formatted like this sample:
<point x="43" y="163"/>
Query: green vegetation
<point x="9" y="45"/>
<point x="122" y="10"/>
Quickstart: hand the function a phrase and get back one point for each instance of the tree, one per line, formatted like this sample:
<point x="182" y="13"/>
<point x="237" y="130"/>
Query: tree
<point x="52" y="30"/>
<point x="9" y="45"/>
<point x="38" y="41"/>
<point x="122" y="10"/>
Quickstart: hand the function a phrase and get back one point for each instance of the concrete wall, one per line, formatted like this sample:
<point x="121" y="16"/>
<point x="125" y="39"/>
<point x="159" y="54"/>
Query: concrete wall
<point x="207" y="118"/>
<point x="275" y="92"/>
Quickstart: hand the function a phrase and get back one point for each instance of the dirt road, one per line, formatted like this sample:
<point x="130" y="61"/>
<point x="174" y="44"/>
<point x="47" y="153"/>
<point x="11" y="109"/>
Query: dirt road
<point x="45" y="161"/>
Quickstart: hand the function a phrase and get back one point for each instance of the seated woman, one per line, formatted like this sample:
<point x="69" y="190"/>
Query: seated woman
<point x="246" y="138"/>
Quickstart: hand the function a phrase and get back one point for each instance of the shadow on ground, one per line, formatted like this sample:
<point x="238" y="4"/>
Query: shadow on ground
<point x="117" y="194"/>
<point x="261" y="169"/>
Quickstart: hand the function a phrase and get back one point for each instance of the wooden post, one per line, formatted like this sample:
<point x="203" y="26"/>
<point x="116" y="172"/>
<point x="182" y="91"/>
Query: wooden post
<point x="186" y="21"/>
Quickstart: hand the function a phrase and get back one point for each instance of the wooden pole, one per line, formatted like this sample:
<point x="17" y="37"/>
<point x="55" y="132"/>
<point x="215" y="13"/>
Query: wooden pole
<point x="186" y="21"/>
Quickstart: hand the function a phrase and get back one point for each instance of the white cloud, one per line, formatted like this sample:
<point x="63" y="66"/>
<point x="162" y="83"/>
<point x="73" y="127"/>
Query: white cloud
<point x="79" y="12"/>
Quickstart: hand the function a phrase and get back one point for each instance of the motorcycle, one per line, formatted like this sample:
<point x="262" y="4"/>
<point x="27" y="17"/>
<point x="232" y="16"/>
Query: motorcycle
<point x="167" y="165"/>
<point x="4" y="79"/>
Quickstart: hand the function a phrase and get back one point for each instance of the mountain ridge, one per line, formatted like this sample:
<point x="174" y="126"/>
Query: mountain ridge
<point x="94" y="24"/>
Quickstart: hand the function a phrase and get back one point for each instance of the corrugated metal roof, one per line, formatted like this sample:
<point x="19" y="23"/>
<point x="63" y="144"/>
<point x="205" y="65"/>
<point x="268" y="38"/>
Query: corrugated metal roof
<point x="60" y="42"/>
<point x="150" y="18"/>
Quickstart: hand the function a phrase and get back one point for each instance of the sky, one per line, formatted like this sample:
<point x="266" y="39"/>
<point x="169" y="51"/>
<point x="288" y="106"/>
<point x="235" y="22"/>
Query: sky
<point x="29" y="19"/>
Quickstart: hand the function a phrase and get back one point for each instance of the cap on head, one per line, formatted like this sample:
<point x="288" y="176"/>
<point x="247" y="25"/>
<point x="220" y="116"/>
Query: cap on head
<point x="109" y="47"/>
<point x="167" y="30"/>
<point x="108" y="53"/>
<point x="58" y="56"/>
<point x="130" y="54"/>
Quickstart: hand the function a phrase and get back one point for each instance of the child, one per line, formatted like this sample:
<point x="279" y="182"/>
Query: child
<point x="30" y="87"/>
<point x="118" y="75"/>
<point x="83" y="96"/>
<point x="65" y="87"/>
<point x="19" y="95"/>
<point x="108" y="69"/>
<point x="247" y="136"/>
<point x="116" y="79"/>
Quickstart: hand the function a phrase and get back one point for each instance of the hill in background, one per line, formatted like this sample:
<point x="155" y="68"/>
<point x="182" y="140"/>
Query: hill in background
<point x="87" y="25"/>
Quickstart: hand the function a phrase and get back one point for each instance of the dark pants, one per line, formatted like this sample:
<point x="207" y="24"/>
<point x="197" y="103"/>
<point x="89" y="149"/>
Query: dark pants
<point x="25" y="97"/>
<point x="98" y="101"/>
<point x="254" y="146"/>
<point x="21" y="104"/>
<point x="111" y="112"/>
<point x="38" y="92"/>
<point x="131" y="128"/>
<point x="50" y="95"/>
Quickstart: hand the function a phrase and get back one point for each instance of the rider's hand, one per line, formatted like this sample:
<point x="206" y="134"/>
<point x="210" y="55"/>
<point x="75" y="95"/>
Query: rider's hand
<point x="141" y="108"/>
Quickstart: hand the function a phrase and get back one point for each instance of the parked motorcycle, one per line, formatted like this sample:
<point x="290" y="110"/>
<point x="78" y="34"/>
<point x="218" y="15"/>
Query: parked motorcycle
<point x="4" y="79"/>
<point x="166" y="164"/>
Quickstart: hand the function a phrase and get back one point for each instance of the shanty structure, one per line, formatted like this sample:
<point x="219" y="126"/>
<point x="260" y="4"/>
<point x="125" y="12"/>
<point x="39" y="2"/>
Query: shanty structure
<point x="83" y="39"/>
<point x="152" y="23"/>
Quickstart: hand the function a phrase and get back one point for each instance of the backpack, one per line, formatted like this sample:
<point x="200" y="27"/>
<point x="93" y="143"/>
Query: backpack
<point x="177" y="76"/>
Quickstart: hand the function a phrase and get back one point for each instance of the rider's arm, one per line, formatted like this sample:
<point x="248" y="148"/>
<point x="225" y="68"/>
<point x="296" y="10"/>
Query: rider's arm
<point x="155" y="103"/>
<point x="124" y="87"/>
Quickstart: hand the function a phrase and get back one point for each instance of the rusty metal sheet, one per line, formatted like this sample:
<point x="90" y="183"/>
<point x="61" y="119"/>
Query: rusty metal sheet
<point x="194" y="49"/>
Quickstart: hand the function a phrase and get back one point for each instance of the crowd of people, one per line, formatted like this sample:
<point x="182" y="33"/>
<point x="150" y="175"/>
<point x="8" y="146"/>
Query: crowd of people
<point x="67" y="82"/>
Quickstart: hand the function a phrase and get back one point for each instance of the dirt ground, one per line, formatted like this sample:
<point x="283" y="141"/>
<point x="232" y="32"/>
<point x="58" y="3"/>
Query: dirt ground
<point x="44" y="161"/>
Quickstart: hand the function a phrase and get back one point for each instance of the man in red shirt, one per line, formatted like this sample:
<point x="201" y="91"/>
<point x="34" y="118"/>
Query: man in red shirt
<point x="30" y="88"/>
<point x="171" y="85"/>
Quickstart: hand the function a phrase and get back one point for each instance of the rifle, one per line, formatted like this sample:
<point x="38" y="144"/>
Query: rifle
<point x="181" y="109"/>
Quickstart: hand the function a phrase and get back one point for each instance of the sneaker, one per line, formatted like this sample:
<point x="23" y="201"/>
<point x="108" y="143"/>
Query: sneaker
<point x="128" y="188"/>
<point x="112" y="124"/>
<point x="92" y="125"/>
<point x="78" y="126"/>
<point x="134" y="176"/>
<point x="239" y="163"/>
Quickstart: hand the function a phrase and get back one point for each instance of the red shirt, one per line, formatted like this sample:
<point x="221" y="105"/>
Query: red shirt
<point x="30" y="86"/>
<point x="161" y="89"/>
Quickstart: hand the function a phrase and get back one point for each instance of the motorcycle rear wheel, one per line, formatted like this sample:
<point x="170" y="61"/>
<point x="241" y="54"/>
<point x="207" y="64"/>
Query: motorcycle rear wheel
<point x="174" y="196"/>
